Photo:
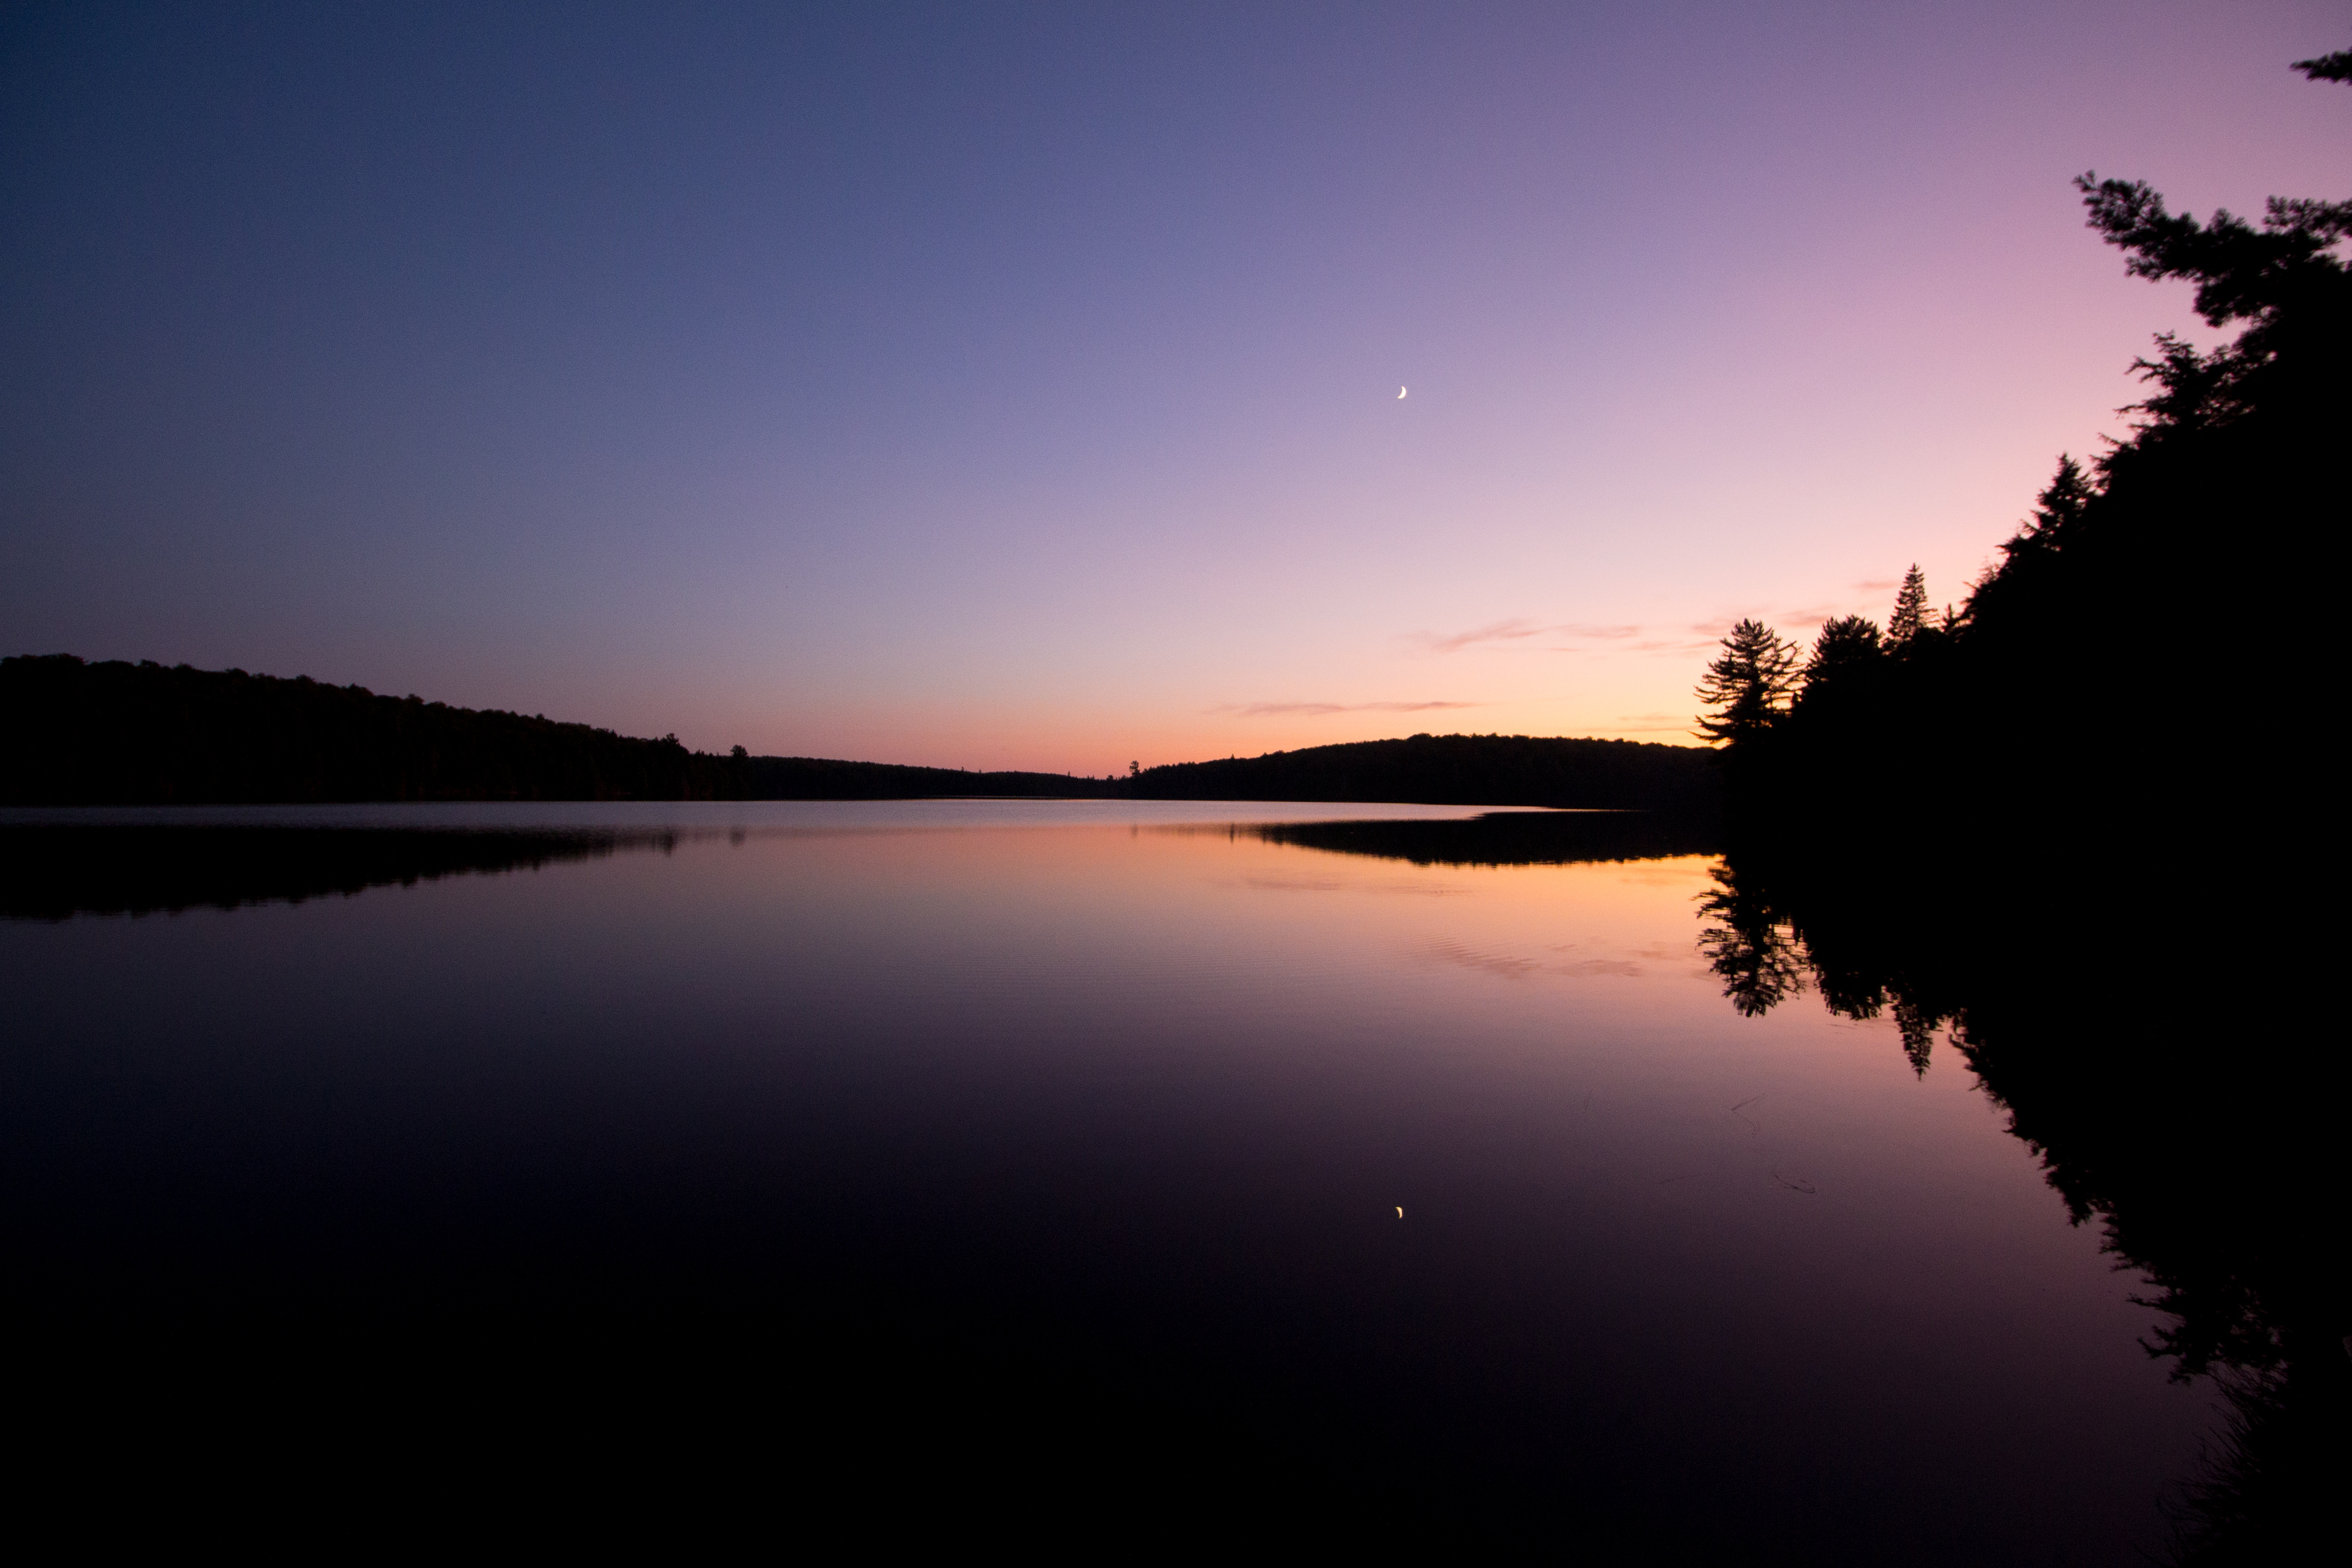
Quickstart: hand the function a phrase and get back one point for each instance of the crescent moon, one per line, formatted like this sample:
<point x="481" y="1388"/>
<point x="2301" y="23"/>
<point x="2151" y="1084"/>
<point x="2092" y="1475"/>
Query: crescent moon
<point x="1400" y="391"/>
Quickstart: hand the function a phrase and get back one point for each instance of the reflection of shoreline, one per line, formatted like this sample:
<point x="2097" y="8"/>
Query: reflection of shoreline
<point x="1504" y="837"/>
<point x="57" y="873"/>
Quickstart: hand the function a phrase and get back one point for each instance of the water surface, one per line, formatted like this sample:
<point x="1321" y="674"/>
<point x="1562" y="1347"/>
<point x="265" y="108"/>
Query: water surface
<point x="1144" y="1150"/>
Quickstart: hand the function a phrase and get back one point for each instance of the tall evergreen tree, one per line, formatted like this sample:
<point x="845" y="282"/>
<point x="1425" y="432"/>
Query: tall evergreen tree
<point x="1912" y="616"/>
<point x="2021" y="584"/>
<point x="2054" y="509"/>
<point x="1748" y="683"/>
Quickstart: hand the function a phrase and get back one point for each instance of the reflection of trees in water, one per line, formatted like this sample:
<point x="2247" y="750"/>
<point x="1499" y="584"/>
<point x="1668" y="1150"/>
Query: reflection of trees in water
<point x="1764" y="955"/>
<point x="1752" y="950"/>
<point x="55" y="873"/>
<point x="1507" y="838"/>
<point x="2177" y="1110"/>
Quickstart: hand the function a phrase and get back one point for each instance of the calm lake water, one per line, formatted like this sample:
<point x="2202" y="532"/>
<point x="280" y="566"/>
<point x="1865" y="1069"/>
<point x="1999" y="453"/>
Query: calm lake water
<point x="1138" y="1150"/>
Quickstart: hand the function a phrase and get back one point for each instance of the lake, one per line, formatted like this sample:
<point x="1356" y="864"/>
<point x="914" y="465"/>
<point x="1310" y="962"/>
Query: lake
<point x="1339" y="1167"/>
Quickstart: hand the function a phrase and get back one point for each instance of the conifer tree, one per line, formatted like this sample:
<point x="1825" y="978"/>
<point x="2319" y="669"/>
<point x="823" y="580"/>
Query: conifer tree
<point x="1845" y="643"/>
<point x="1749" y="682"/>
<point x="1912" y="616"/>
<point x="2056" y="509"/>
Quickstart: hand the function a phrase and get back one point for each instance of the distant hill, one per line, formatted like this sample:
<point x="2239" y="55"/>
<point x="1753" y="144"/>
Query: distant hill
<point x="77" y="733"/>
<point x="1457" y="769"/>
<point x="74" y="733"/>
<point x="821" y="778"/>
<point x="117" y="733"/>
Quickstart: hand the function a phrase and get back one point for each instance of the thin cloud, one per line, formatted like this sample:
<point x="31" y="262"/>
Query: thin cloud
<point x="1265" y="710"/>
<point x="1652" y="723"/>
<point x="1499" y="631"/>
<point x="1585" y="636"/>
<point x="1521" y="630"/>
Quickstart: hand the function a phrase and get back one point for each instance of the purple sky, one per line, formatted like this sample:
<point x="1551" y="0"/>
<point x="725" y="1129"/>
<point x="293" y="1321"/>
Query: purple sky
<point x="1017" y="385"/>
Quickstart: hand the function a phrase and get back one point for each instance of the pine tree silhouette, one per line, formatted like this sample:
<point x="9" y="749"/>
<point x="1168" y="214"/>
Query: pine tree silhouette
<point x="1912" y="616"/>
<point x="1750" y="681"/>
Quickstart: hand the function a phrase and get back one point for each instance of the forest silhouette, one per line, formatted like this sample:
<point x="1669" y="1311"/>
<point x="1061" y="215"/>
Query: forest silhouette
<point x="116" y="733"/>
<point x="2160" y="600"/>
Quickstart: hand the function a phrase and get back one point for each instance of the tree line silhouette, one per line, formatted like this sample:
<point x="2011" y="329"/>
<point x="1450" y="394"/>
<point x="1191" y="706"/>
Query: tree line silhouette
<point x="117" y="733"/>
<point x="2150" y="635"/>
<point x="1458" y="770"/>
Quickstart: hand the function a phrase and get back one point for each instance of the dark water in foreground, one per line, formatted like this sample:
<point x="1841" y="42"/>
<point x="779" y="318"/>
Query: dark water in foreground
<point x="1027" y="1158"/>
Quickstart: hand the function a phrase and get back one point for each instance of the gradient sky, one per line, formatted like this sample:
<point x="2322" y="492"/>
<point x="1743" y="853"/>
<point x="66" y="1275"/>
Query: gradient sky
<point x="1015" y="386"/>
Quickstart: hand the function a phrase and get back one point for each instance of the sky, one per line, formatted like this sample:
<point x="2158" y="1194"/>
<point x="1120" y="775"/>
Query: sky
<point x="997" y="385"/>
